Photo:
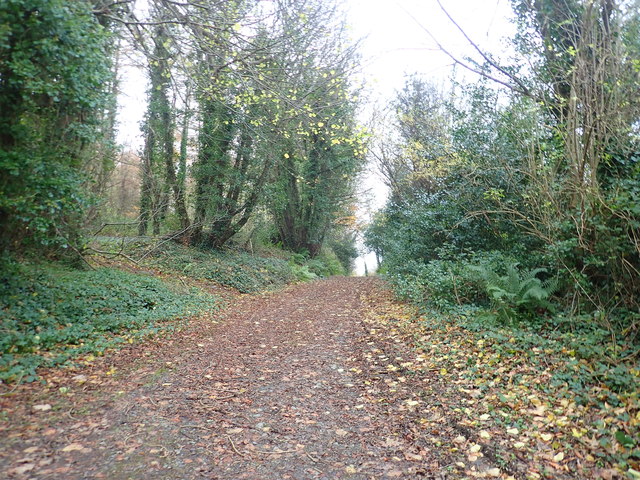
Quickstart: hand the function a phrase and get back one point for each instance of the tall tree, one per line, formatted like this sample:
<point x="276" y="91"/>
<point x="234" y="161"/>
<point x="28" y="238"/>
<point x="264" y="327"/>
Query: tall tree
<point x="53" y="71"/>
<point x="158" y="166"/>
<point x="322" y="146"/>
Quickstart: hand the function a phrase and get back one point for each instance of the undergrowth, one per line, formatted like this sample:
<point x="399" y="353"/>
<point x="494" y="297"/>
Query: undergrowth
<point x="50" y="314"/>
<point x="240" y="270"/>
<point x="571" y="382"/>
<point x="575" y="385"/>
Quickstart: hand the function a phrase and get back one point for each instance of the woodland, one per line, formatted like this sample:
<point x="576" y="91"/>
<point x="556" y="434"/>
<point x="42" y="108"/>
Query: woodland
<point x="510" y="237"/>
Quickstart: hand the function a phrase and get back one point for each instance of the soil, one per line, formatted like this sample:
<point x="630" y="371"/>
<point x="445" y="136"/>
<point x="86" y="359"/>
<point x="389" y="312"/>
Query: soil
<point x="284" y="385"/>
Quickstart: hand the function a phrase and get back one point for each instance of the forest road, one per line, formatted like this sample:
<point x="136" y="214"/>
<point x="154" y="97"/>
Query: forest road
<point x="286" y="385"/>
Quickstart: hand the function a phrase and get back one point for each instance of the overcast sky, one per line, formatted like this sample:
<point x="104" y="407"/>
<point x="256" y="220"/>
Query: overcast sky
<point x="397" y="36"/>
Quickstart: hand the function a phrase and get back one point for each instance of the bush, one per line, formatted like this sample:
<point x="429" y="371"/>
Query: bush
<point x="446" y="282"/>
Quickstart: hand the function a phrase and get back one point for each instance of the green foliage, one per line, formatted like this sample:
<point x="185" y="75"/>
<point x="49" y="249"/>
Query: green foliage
<point x="53" y="69"/>
<point x="50" y="315"/>
<point x="497" y="179"/>
<point x="447" y="282"/>
<point x="342" y="243"/>
<point x="326" y="264"/>
<point x="240" y="270"/>
<point x="302" y="273"/>
<point x="517" y="292"/>
<point x="36" y="204"/>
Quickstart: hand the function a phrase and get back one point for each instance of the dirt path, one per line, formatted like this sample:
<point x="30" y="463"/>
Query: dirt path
<point x="288" y="385"/>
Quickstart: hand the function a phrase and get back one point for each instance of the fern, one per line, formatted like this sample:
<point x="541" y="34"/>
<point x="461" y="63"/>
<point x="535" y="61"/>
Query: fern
<point x="517" y="292"/>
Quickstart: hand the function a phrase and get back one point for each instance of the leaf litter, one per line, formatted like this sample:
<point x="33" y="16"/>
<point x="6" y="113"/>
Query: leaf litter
<point x="333" y="379"/>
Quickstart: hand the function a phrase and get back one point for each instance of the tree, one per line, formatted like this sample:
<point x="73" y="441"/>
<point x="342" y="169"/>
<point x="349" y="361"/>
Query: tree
<point x="53" y="70"/>
<point x="322" y="147"/>
<point x="158" y="166"/>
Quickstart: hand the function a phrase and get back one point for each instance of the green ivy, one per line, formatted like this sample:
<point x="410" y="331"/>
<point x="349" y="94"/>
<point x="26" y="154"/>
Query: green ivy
<point x="50" y="315"/>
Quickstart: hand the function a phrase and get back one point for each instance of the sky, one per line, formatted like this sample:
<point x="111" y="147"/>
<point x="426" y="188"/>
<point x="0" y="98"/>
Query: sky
<point x="397" y="38"/>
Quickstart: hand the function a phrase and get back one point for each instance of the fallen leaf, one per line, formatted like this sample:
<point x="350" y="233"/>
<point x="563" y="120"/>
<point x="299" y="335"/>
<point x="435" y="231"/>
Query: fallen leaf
<point x="413" y="457"/>
<point x="22" y="469"/>
<point x="74" y="447"/>
<point x="392" y="442"/>
<point x="475" y="448"/>
<point x="558" y="457"/>
<point x="484" y="434"/>
<point x="493" y="472"/>
<point x="350" y="469"/>
<point x="42" y="408"/>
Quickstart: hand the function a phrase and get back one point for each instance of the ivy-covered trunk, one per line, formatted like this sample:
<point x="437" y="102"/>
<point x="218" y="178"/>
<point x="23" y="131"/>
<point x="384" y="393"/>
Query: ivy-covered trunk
<point x="158" y="167"/>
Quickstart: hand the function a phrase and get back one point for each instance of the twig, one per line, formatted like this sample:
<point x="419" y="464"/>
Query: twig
<point x="164" y="450"/>
<point x="276" y="453"/>
<point x="194" y="426"/>
<point x="233" y="445"/>
<point x="129" y="437"/>
<point x="15" y="386"/>
<point x="113" y="254"/>
<point x="224" y="398"/>
<point x="167" y="240"/>
<point x="105" y="225"/>
<point x="314" y="460"/>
